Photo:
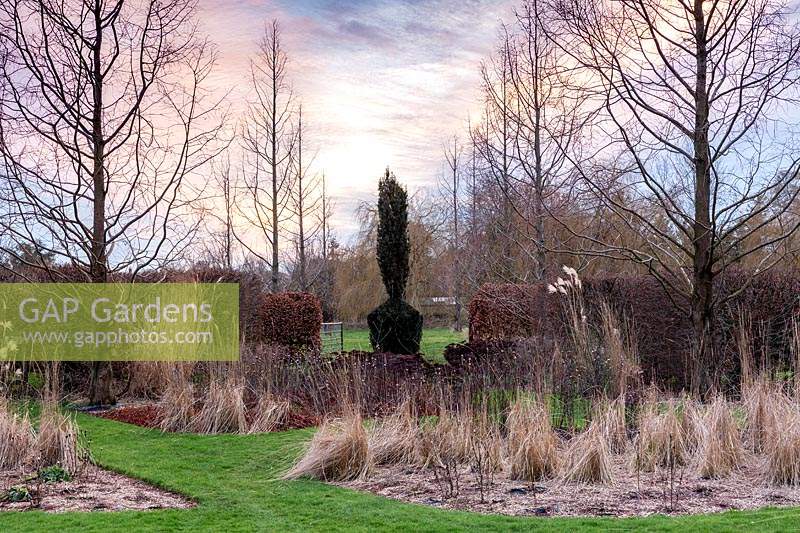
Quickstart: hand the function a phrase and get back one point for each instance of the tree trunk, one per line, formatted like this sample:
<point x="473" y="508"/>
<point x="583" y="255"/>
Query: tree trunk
<point x="703" y="283"/>
<point x="100" y="389"/>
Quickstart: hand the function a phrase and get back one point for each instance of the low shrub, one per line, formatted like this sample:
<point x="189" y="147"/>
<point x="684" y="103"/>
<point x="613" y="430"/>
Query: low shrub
<point x="290" y="319"/>
<point x="53" y="474"/>
<point x="18" y="493"/>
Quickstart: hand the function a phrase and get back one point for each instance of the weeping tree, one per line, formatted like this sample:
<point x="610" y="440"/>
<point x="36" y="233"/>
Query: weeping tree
<point x="394" y="326"/>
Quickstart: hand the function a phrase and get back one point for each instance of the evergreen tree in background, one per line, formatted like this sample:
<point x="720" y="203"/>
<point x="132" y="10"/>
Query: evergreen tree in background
<point x="394" y="326"/>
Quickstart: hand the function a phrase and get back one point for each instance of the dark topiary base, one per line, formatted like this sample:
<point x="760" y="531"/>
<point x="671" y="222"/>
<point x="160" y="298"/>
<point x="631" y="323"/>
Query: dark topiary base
<point x="395" y="327"/>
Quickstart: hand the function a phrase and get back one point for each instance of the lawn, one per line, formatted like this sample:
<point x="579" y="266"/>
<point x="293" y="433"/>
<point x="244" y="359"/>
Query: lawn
<point x="433" y="343"/>
<point x="235" y="480"/>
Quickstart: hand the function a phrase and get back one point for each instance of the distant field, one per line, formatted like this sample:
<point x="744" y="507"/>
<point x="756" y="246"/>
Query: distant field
<point x="434" y="341"/>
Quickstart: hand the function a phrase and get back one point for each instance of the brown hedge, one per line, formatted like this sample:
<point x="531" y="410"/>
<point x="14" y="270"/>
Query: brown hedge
<point x="290" y="319"/>
<point x="662" y="331"/>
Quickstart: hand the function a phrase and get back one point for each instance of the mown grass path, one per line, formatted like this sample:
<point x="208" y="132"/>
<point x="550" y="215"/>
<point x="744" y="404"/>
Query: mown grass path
<point x="235" y="480"/>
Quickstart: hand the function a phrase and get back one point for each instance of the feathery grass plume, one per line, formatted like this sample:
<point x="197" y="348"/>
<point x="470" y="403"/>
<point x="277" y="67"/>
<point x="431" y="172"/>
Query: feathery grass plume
<point x="177" y="403"/>
<point x="721" y="447"/>
<point x="339" y="451"/>
<point x="532" y="443"/>
<point x="764" y="404"/>
<point x="782" y="466"/>
<point x="57" y="440"/>
<point x="393" y="440"/>
<point x="16" y="437"/>
<point x="270" y="412"/>
<point x="661" y="441"/>
<point x="610" y="419"/>
<point x="588" y="459"/>
<point x="223" y="410"/>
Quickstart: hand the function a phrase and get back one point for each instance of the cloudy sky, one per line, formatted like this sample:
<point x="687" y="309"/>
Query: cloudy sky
<point x="382" y="82"/>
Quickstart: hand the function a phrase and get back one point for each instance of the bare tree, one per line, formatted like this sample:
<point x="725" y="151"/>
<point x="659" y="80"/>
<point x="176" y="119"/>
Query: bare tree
<point x="268" y="140"/>
<point x="104" y="117"/>
<point x="305" y="202"/>
<point x="694" y="94"/>
<point x="220" y="213"/>
<point x="494" y="142"/>
<point x="451" y="187"/>
<point x="547" y="121"/>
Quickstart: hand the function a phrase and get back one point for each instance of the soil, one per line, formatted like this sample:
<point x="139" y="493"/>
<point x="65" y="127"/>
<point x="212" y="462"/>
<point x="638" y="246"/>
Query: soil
<point x="95" y="489"/>
<point x="743" y="489"/>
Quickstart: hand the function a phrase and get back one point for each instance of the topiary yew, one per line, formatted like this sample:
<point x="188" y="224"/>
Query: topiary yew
<point x="394" y="326"/>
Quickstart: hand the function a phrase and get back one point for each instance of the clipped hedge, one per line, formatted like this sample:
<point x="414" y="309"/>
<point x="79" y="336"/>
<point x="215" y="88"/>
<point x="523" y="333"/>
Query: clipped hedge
<point x="662" y="332"/>
<point x="290" y="319"/>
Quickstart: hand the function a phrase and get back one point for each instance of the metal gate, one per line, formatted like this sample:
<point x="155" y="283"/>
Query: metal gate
<point x="332" y="336"/>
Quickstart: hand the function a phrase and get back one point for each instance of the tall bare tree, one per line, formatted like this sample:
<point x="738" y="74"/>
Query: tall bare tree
<point x="305" y="202"/>
<point x="695" y="95"/>
<point x="451" y="188"/>
<point x="268" y="140"/>
<point x="104" y="118"/>
<point x="89" y="92"/>
<point x="547" y="122"/>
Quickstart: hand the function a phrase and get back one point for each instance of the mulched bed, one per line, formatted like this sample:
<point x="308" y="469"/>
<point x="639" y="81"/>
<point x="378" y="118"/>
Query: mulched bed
<point x="743" y="489"/>
<point x="95" y="489"/>
<point x="148" y="415"/>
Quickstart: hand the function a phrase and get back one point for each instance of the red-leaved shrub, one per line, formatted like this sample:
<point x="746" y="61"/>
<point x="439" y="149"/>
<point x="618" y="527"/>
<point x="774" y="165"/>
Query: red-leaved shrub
<point x="661" y="330"/>
<point x="290" y="319"/>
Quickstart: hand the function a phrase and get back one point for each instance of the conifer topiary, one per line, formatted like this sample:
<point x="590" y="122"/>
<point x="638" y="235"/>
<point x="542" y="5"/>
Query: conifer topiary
<point x="394" y="326"/>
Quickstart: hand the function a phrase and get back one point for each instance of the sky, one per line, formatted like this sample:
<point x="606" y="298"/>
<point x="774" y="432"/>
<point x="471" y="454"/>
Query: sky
<point x="381" y="82"/>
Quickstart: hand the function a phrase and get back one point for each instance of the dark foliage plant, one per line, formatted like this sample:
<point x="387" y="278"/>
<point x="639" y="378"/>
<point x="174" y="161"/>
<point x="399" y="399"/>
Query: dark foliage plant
<point x="291" y="319"/>
<point x="394" y="326"/>
<point x="767" y="304"/>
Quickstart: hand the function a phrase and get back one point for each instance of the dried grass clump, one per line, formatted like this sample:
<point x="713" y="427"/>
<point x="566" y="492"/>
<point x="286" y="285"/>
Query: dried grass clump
<point x="610" y="421"/>
<point x="692" y="423"/>
<point x="449" y="439"/>
<point x="783" y="458"/>
<point x="177" y="404"/>
<point x="532" y="444"/>
<point x="662" y="441"/>
<point x="16" y="437"/>
<point x="764" y="403"/>
<point x="721" y="448"/>
<point x="57" y="440"/>
<point x="224" y="410"/>
<point x="148" y="379"/>
<point x="339" y="451"/>
<point x="270" y="412"/>
<point x="393" y="440"/>
<point x="588" y="459"/>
